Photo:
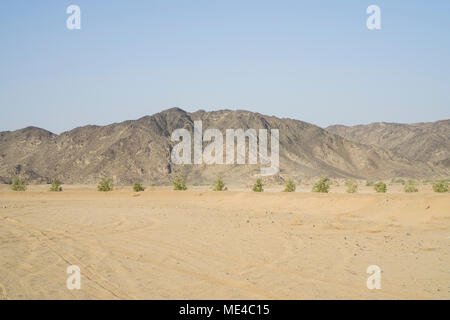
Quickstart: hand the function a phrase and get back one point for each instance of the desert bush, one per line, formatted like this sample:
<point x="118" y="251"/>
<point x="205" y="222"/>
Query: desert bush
<point x="289" y="186"/>
<point x="18" y="185"/>
<point x="105" y="185"/>
<point x="323" y="185"/>
<point x="10" y="182"/>
<point x="179" y="183"/>
<point x="440" y="186"/>
<point x="219" y="185"/>
<point x="370" y="183"/>
<point x="137" y="187"/>
<point x="258" y="186"/>
<point x="380" y="187"/>
<point x="56" y="186"/>
<point x="410" y="186"/>
<point x="351" y="185"/>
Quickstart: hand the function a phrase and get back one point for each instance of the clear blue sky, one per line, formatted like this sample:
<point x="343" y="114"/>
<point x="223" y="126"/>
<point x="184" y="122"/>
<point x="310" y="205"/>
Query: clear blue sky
<point x="310" y="60"/>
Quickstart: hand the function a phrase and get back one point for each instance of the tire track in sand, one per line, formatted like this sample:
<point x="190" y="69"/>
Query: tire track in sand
<point x="131" y="255"/>
<point x="235" y="284"/>
<point x="258" y="265"/>
<point x="71" y="260"/>
<point x="3" y="295"/>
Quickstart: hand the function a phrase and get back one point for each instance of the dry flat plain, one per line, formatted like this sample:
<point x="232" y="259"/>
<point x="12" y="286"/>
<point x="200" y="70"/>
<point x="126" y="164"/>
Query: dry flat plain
<point x="198" y="244"/>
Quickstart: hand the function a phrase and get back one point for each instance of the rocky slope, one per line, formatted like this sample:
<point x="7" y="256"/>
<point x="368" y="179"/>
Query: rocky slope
<point x="426" y="142"/>
<point x="140" y="150"/>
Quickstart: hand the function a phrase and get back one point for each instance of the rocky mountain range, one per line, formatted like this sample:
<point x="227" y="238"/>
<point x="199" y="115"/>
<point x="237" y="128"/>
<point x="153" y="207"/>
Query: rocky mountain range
<point x="140" y="150"/>
<point x="427" y="142"/>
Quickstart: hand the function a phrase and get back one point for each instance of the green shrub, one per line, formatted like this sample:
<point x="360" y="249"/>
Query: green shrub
<point x="410" y="186"/>
<point x="258" y="186"/>
<point x="370" y="183"/>
<point x="323" y="185"/>
<point x="352" y="186"/>
<point x="56" y="186"/>
<point x="380" y="187"/>
<point x="179" y="183"/>
<point x="219" y="185"/>
<point x="440" y="186"/>
<point x="18" y="185"/>
<point x="137" y="187"/>
<point x="289" y="186"/>
<point x="105" y="185"/>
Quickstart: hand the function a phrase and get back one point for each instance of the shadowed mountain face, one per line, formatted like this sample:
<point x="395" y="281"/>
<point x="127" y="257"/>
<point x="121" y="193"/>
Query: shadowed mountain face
<point x="427" y="142"/>
<point x="140" y="150"/>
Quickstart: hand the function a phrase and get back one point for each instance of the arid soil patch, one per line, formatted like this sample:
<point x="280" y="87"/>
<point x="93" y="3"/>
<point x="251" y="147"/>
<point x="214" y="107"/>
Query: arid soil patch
<point x="198" y="244"/>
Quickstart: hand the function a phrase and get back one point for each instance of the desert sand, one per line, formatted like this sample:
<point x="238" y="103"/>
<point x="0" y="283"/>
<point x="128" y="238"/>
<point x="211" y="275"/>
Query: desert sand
<point x="199" y="244"/>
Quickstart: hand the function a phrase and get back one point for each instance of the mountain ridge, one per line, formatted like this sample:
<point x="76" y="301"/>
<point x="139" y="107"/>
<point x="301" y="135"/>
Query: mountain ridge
<point x="427" y="142"/>
<point x="140" y="150"/>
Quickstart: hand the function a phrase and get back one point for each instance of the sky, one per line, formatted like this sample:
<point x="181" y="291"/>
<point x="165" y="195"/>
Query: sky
<point x="314" y="61"/>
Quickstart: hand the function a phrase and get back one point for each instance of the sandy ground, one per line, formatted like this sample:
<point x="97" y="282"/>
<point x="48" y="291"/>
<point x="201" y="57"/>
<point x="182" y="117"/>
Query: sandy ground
<point x="198" y="244"/>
